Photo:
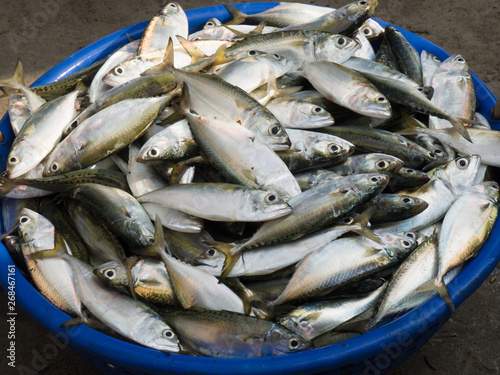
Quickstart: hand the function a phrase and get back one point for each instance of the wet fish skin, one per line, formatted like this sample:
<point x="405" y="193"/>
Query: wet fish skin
<point x="347" y="88"/>
<point x="150" y="279"/>
<point x="368" y="163"/>
<point x="231" y="335"/>
<point x="220" y="202"/>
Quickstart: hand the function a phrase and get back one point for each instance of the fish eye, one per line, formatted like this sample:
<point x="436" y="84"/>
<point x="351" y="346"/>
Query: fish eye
<point x="210" y="24"/>
<point x="436" y="59"/>
<point x="406" y="244"/>
<point x="119" y="70"/>
<point x="410" y="235"/>
<point x="211" y="252"/>
<point x="275" y="130"/>
<point x="13" y="160"/>
<point x="381" y="99"/>
<point x="293" y="344"/>
<point x="276" y="56"/>
<point x="407" y="200"/>
<point x="24" y="219"/>
<point x="271" y="198"/>
<point x="334" y="149"/>
<point x="153" y="152"/>
<point x="460" y="59"/>
<point x="195" y="39"/>
<point x="172" y="5"/>
<point x="317" y="109"/>
<point x="54" y="167"/>
<point x="437" y="151"/>
<point x="462" y="163"/>
<point x="151" y="240"/>
<point x="410" y="171"/>
<point x="495" y="186"/>
<point x="347" y="220"/>
<point x="341" y="42"/>
<point x="382" y="164"/>
<point x="252" y="53"/>
<point x="367" y="31"/>
<point x="374" y="179"/>
<point x="110" y="274"/>
<point x="168" y="334"/>
<point x="363" y="3"/>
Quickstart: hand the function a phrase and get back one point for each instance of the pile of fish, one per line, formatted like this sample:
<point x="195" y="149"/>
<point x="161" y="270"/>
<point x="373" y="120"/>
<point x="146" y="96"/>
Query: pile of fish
<point x="259" y="187"/>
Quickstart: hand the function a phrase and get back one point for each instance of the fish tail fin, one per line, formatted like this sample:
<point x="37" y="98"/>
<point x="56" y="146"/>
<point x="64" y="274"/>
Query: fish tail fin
<point x="258" y="30"/>
<point x="6" y="185"/>
<point x="127" y="265"/>
<point x="361" y="225"/>
<point x="13" y="85"/>
<point x="194" y="52"/>
<point x="458" y="124"/>
<point x="232" y="253"/>
<point x="238" y="15"/>
<point x="219" y="56"/>
<point x="440" y="287"/>
<point x="167" y="65"/>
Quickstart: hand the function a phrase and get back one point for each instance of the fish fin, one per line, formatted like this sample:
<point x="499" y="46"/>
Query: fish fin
<point x="440" y="287"/>
<point x="272" y="88"/>
<point x="219" y="56"/>
<point x="246" y="295"/>
<point x="46" y="254"/>
<point x="92" y="323"/>
<point x="238" y="15"/>
<point x="127" y="265"/>
<point x="184" y="103"/>
<point x="361" y="225"/>
<point x="6" y="185"/>
<point x="167" y="65"/>
<point x="458" y="124"/>
<point x="158" y="246"/>
<point x="13" y="85"/>
<point x="258" y="30"/>
<point x="411" y="121"/>
<point x="239" y="34"/>
<point x="232" y="253"/>
<point x="194" y="52"/>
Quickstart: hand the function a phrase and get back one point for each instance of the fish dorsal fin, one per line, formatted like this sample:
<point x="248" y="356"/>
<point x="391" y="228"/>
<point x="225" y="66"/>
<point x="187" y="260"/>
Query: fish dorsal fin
<point x="238" y="15"/>
<point x="193" y="51"/>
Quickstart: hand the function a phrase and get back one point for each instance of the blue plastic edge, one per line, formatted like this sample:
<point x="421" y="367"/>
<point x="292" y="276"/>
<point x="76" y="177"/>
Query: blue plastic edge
<point x="386" y="342"/>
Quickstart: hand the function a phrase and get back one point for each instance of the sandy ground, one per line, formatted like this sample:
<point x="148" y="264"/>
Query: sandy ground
<point x="43" y="33"/>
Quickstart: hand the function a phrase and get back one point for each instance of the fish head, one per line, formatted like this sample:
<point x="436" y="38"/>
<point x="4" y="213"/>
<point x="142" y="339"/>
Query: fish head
<point x="112" y="273"/>
<point x="297" y="324"/>
<point x="362" y="8"/>
<point x="171" y="9"/>
<point x="279" y="340"/>
<point x="270" y="131"/>
<point x="380" y="163"/>
<point x="399" y="245"/>
<point x="127" y="71"/>
<point x="459" y="174"/>
<point x="331" y="149"/>
<point x="262" y="203"/>
<point x="370" y="102"/>
<point x="456" y="66"/>
<point x="278" y="63"/>
<point x="369" y="184"/>
<point x="414" y="174"/>
<point x="311" y="114"/>
<point x="20" y="160"/>
<point x="334" y="48"/>
<point x="36" y="230"/>
<point x="155" y="333"/>
<point x="212" y="22"/>
<point x="492" y="189"/>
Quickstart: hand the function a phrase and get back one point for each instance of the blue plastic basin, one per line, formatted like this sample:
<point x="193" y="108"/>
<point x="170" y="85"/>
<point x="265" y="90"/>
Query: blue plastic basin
<point x="372" y="353"/>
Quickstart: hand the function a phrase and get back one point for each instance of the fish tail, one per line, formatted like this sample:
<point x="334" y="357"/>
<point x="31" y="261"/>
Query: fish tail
<point x="361" y="225"/>
<point x="13" y="85"/>
<point x="194" y="52"/>
<point x="127" y="265"/>
<point x="458" y="124"/>
<point x="167" y="65"/>
<point x="238" y="15"/>
<point x="6" y="185"/>
<point x="232" y="253"/>
<point x="440" y="287"/>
